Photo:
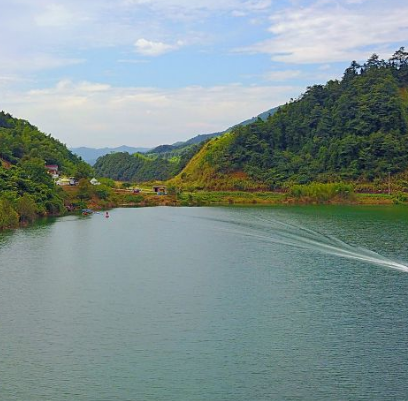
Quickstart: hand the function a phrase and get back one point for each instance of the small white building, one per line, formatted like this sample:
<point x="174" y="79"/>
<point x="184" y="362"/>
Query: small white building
<point x="63" y="181"/>
<point x="94" y="181"/>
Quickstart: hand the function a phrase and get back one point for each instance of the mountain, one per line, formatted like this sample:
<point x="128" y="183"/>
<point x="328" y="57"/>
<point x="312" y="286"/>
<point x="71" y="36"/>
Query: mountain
<point x="160" y="163"/>
<point x="354" y="129"/>
<point x="90" y="155"/>
<point x="26" y="188"/>
<point x="145" y="167"/>
<point x="204" y="137"/>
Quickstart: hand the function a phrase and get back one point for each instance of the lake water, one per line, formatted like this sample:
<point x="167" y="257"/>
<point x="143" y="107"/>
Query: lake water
<point x="211" y="304"/>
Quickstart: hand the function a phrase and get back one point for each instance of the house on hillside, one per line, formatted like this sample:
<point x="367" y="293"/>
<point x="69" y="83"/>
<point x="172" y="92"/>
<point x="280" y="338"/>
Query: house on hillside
<point x="52" y="170"/>
<point x="160" y="190"/>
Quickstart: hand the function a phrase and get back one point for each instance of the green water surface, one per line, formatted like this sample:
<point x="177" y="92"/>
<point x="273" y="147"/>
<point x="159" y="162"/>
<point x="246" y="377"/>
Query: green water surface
<point x="217" y="304"/>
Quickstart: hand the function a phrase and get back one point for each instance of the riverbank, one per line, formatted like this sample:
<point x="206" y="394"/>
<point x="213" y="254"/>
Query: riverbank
<point x="75" y="202"/>
<point x="226" y="198"/>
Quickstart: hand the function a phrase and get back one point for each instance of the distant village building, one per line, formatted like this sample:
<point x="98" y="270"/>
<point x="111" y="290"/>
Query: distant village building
<point x="63" y="181"/>
<point x="160" y="190"/>
<point x="52" y="170"/>
<point x="94" y="181"/>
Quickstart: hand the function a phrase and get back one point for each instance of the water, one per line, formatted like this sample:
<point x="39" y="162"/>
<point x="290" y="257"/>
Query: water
<point x="242" y="304"/>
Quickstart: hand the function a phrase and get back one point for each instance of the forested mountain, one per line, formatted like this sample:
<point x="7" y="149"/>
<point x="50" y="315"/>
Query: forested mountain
<point x="205" y="137"/>
<point x="145" y="167"/>
<point x="160" y="163"/>
<point x="26" y="188"/>
<point x="353" y="129"/>
<point x="90" y="155"/>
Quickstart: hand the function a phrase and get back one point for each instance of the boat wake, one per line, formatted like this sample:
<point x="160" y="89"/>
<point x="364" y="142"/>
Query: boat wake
<point x="286" y="234"/>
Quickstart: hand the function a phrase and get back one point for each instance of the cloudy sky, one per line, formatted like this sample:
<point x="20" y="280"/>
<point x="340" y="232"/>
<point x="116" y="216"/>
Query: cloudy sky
<point x="146" y="72"/>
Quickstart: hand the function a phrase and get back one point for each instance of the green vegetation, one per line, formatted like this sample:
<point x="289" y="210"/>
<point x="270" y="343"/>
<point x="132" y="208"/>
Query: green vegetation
<point x="26" y="188"/>
<point x="353" y="130"/>
<point x="322" y="193"/>
<point x="161" y="165"/>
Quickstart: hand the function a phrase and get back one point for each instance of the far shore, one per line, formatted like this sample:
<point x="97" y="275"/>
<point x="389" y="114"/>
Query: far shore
<point x="228" y="198"/>
<point x="127" y="198"/>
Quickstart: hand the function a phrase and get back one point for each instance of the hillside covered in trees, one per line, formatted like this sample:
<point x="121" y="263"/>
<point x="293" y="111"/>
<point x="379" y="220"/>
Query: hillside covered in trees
<point x="354" y="129"/>
<point x="163" y="163"/>
<point x="26" y="188"/>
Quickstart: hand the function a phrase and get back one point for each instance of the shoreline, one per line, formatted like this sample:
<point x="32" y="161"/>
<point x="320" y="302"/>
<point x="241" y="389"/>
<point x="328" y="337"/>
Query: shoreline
<point x="222" y="199"/>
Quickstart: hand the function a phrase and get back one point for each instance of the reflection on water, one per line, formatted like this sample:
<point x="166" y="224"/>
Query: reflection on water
<point x="207" y="304"/>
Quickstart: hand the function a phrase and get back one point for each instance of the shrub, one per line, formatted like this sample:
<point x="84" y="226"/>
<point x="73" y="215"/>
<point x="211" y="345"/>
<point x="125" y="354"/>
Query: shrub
<point x="26" y="208"/>
<point x="318" y="192"/>
<point x="8" y="216"/>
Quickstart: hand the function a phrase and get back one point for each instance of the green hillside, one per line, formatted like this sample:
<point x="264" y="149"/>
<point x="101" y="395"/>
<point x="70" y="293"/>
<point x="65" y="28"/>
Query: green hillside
<point x="160" y="165"/>
<point x="26" y="188"/>
<point x="354" y="129"/>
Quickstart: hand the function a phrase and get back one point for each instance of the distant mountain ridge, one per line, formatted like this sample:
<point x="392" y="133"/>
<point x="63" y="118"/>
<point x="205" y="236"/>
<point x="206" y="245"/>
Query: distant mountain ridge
<point x="162" y="162"/>
<point x="203" y="137"/>
<point x="90" y="155"/>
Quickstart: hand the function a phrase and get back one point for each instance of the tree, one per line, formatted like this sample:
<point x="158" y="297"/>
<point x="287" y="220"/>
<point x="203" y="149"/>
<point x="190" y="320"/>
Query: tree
<point x="85" y="189"/>
<point x="83" y="170"/>
<point x="8" y="216"/>
<point x="26" y="208"/>
<point x="399" y="58"/>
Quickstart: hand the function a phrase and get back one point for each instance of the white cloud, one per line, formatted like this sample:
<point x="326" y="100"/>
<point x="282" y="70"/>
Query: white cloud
<point x="257" y="5"/>
<point x="36" y="62"/>
<point x="55" y="15"/>
<point x="95" y="114"/>
<point x="330" y="32"/>
<point x="150" y="48"/>
<point x="285" y="75"/>
<point x="64" y="29"/>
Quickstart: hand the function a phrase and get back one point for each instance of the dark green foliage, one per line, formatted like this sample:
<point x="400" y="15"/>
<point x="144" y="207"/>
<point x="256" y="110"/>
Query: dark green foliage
<point x="103" y="192"/>
<point x="29" y="179"/>
<point x="85" y="189"/>
<point x="26" y="208"/>
<point x="8" y="216"/>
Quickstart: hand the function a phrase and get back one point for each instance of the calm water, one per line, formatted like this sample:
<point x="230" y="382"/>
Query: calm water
<point x="241" y="304"/>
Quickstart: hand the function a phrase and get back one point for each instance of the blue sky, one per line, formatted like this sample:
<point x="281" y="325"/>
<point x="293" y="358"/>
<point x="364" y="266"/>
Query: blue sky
<point x="146" y="72"/>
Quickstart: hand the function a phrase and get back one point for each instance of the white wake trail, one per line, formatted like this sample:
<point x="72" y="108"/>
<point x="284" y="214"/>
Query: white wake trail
<point x="288" y="235"/>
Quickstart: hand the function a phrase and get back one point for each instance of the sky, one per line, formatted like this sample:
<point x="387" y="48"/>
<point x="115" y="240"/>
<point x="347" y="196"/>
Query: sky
<point x="148" y="72"/>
